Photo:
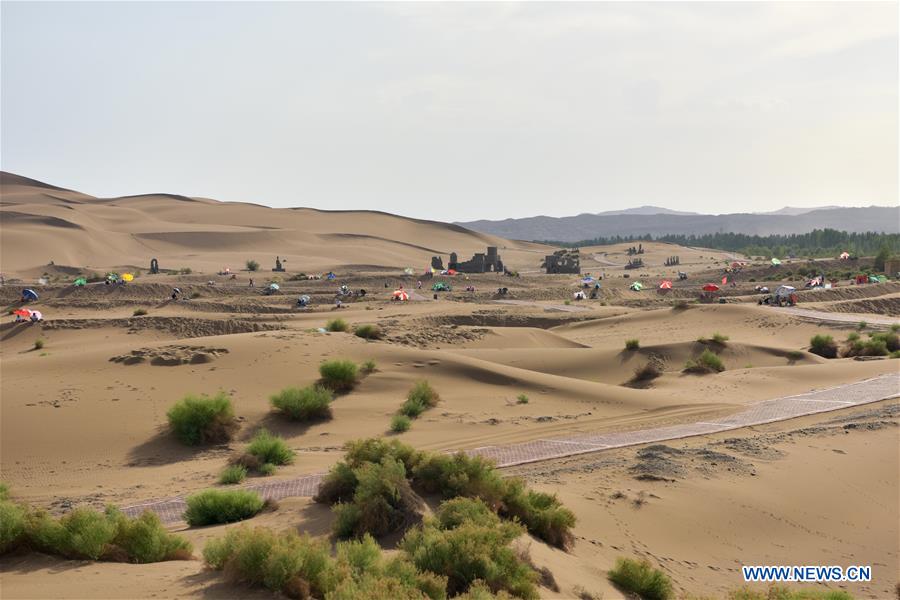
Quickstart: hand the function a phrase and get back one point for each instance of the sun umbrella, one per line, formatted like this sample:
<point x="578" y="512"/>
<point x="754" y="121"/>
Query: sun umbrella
<point x="400" y="295"/>
<point x="637" y="286"/>
<point x="127" y="277"/>
<point x="710" y="287"/>
<point x="22" y="312"/>
<point x="36" y="315"/>
<point x="665" y="284"/>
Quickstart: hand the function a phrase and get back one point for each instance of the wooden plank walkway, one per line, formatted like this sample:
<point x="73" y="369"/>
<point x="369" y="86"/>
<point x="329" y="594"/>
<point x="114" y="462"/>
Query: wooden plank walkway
<point x="884" y="387"/>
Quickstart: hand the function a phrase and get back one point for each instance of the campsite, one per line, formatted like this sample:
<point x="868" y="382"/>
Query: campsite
<point x="516" y="357"/>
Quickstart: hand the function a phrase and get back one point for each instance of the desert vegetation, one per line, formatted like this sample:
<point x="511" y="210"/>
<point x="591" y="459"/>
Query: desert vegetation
<point x="640" y="578"/>
<point x="368" y="332"/>
<point x="419" y="399"/>
<point x="632" y="344"/>
<point x="823" y="345"/>
<point x="203" y="419"/>
<point x="706" y="362"/>
<point x="337" y="326"/>
<point x="339" y="375"/>
<point x="210" y="507"/>
<point x="304" y="404"/>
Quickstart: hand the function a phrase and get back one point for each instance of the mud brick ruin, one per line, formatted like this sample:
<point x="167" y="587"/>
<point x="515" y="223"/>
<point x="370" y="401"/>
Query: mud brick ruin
<point x="488" y="262"/>
<point x="563" y="261"/>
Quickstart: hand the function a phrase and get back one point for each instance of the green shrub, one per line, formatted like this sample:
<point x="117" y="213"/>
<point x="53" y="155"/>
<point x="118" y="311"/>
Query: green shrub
<point x="647" y="372"/>
<point x="252" y="265"/>
<point x="211" y="507"/>
<point x="639" y="577"/>
<point x="632" y="344"/>
<point x="420" y="398"/>
<point x="267" y="469"/>
<point x="542" y="514"/>
<point x="718" y="338"/>
<point x="337" y="325"/>
<point x="891" y="340"/>
<point x="874" y="346"/>
<point x="82" y="533"/>
<point x="895" y="327"/>
<point x="823" y="345"/>
<point x="400" y="423"/>
<point x="861" y="325"/>
<point x="707" y="362"/>
<point x="12" y="524"/>
<point x="185" y="271"/>
<point x="38" y="344"/>
<point x="852" y="336"/>
<point x="338" y="485"/>
<point x="139" y="312"/>
<point x="794" y="355"/>
<point x="383" y="501"/>
<point x="368" y="332"/>
<point x="233" y="474"/>
<point x="338" y="375"/>
<point x="203" y="419"/>
<point x="304" y="404"/>
<point x="145" y="540"/>
<point x="467" y="552"/>
<point x="522" y="399"/>
<point x="285" y="562"/>
<point x="4" y="491"/>
<point x="270" y="448"/>
<point x="369" y="366"/>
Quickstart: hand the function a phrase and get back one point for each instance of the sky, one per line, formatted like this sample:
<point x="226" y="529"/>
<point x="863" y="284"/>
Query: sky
<point x="458" y="111"/>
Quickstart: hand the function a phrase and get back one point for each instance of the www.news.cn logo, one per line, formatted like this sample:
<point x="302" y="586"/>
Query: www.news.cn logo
<point x="808" y="574"/>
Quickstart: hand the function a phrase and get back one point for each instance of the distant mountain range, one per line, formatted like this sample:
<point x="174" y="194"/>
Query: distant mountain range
<point x="661" y="221"/>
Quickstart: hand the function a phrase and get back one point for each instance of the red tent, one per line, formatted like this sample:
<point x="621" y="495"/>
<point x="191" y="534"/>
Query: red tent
<point x="400" y="295"/>
<point x="665" y="284"/>
<point x="710" y="287"/>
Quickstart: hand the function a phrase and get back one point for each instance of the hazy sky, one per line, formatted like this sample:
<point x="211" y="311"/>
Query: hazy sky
<point x="458" y="111"/>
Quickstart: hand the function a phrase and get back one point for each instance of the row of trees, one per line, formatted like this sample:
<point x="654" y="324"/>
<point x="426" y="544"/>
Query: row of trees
<point x="818" y="243"/>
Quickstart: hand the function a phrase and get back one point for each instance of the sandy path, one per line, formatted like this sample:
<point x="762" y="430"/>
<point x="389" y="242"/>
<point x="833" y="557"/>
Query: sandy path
<point x="839" y="317"/>
<point x="768" y="411"/>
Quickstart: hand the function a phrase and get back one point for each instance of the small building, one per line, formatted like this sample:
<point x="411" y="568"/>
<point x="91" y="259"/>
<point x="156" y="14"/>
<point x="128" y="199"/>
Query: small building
<point x="563" y="261"/>
<point x="892" y="267"/>
<point x="488" y="262"/>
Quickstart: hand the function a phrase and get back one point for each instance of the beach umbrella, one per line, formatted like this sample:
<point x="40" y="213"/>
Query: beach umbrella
<point x="274" y="287"/>
<point x="776" y="262"/>
<point x="710" y="287"/>
<point x="127" y="277"/>
<point x="80" y="282"/>
<point x="451" y="271"/>
<point x="29" y="294"/>
<point x="36" y="315"/>
<point x="665" y="284"/>
<point x="844" y="255"/>
<point x="400" y="295"/>
<point x="22" y="312"/>
<point x="637" y="286"/>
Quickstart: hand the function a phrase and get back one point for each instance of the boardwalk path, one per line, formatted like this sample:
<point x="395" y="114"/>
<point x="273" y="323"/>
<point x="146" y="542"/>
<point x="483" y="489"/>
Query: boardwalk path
<point x="767" y="411"/>
<point x="836" y="317"/>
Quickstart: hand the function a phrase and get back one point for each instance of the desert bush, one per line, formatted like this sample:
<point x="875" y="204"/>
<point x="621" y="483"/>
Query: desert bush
<point x="203" y="419"/>
<point x="895" y="327"/>
<point x="185" y="271"/>
<point x="823" y="345"/>
<point x="874" y="346"/>
<point x="252" y="265"/>
<point x="719" y="338"/>
<point x="145" y="540"/>
<point x="304" y="404"/>
<point x="368" y="367"/>
<point x="39" y="344"/>
<point x="891" y="340"/>
<point x="337" y="325"/>
<point x="794" y="355"/>
<point x="542" y="514"/>
<point x="338" y="485"/>
<point x="707" y="362"/>
<point x="895" y="354"/>
<point x="648" y="372"/>
<point x="468" y="551"/>
<point x="368" y="332"/>
<point x="267" y="469"/>
<point x="211" y="507"/>
<point x="270" y="449"/>
<point x="233" y="474"/>
<point x="852" y="336"/>
<point x="338" y="375"/>
<point x="639" y="577"/>
<point x="632" y="344"/>
<point x="383" y="501"/>
<point x="12" y="524"/>
<point x="400" y="423"/>
<point x="286" y="562"/>
<point x="522" y="399"/>
<point x="420" y="398"/>
<point x="139" y="312"/>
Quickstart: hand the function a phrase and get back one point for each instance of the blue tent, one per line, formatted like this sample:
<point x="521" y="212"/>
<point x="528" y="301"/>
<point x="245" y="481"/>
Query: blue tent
<point x="330" y="276"/>
<point x="29" y="295"/>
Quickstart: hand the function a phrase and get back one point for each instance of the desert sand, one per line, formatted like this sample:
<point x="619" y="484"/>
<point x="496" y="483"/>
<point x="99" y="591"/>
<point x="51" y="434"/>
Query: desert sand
<point x="84" y="417"/>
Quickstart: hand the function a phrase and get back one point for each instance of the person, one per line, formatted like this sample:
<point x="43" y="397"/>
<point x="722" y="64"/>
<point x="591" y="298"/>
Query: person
<point x="175" y="292"/>
<point x="251" y="282"/>
<point x="337" y="303"/>
<point x="419" y="284"/>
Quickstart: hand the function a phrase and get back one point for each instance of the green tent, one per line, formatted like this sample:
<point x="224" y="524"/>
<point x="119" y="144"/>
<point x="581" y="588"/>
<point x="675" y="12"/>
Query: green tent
<point x="80" y="282"/>
<point x="440" y="286"/>
<point x="637" y="286"/>
<point x="776" y="262"/>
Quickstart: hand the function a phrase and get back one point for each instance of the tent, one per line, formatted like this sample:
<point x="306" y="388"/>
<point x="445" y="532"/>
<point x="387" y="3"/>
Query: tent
<point x="400" y="295"/>
<point x="783" y="291"/>
<point x="586" y="281"/>
<point x="112" y="276"/>
<point x="636" y="286"/>
<point x="776" y="262"/>
<point x="271" y="289"/>
<point x="844" y="255"/>
<point x="408" y="270"/>
<point x="330" y="275"/>
<point x="36" y="315"/>
<point x="881" y="278"/>
<point x="710" y="287"/>
<point x="80" y="282"/>
<point x="29" y="294"/>
<point x="303" y="301"/>
<point x="440" y="286"/>
<point x="665" y="284"/>
<point x="127" y="277"/>
<point x="579" y="295"/>
<point x="874" y="279"/>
